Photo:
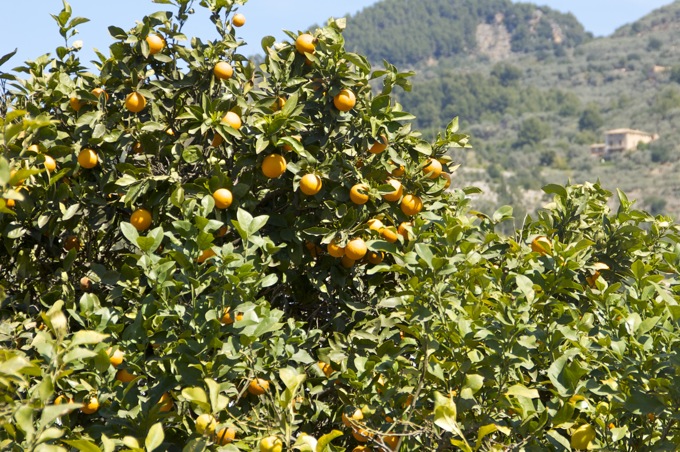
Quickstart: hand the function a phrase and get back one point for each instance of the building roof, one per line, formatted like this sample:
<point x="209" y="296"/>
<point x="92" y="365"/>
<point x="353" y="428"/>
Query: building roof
<point x="626" y="131"/>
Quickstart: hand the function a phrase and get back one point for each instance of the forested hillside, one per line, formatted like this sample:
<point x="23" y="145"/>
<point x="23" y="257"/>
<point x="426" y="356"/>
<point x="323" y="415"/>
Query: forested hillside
<point x="536" y="90"/>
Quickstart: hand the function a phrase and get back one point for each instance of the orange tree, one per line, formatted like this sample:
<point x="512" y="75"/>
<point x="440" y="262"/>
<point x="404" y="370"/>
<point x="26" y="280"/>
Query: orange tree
<point x="204" y="252"/>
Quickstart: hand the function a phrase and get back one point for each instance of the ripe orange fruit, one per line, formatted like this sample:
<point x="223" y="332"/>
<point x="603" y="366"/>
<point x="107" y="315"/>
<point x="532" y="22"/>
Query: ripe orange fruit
<point x="375" y="225"/>
<point x="124" y="376"/>
<point x="141" y="219"/>
<point x="380" y="146"/>
<point x="325" y="368"/>
<point x="223" y="198"/>
<point x="238" y="20"/>
<point x="359" y="194"/>
<point x="398" y="172"/>
<point x="61" y="399"/>
<point x="356" y="249"/>
<point x="156" y="44"/>
<point x="166" y="402"/>
<point x="361" y="449"/>
<point x="217" y="140"/>
<point x="279" y="103"/>
<point x="433" y="168"/>
<point x="376" y="257"/>
<point x="205" y="423"/>
<point x="271" y="444"/>
<point x="115" y="358"/>
<point x="205" y="255"/>
<point x="50" y="164"/>
<point x="403" y="229"/>
<point x="72" y="242"/>
<point x="361" y="435"/>
<point x="541" y="245"/>
<point x="10" y="203"/>
<point x="273" y="166"/>
<point x="335" y="250"/>
<point x="258" y="386"/>
<point x="305" y="43"/>
<point x="87" y="158"/>
<point x="389" y="234"/>
<point x="85" y="284"/>
<point x="391" y="441"/>
<point x="447" y="177"/>
<point x="90" y="405"/>
<point x="223" y="70"/>
<point x="345" y="100"/>
<point x="232" y="119"/>
<point x="347" y="262"/>
<point x="396" y="194"/>
<point x="135" y="102"/>
<point x="137" y="148"/>
<point x="97" y="92"/>
<point x="355" y="415"/>
<point x="310" y="184"/>
<point x="226" y="317"/>
<point x="411" y="205"/>
<point x="225" y="436"/>
<point x="76" y="103"/>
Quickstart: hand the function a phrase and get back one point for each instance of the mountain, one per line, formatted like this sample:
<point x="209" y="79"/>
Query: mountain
<point x="535" y="90"/>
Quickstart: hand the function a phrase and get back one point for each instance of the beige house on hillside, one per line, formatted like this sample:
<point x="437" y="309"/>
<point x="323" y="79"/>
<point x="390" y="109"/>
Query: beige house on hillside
<point x="619" y="140"/>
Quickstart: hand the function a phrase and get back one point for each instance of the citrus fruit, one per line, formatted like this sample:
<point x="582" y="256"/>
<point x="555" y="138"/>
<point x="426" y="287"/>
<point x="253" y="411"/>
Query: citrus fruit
<point x="115" y="358"/>
<point x="541" y="245"/>
<point x="135" y="102"/>
<point x="137" y="148"/>
<point x="325" y="368"/>
<point x="124" y="376"/>
<point x="359" y="194"/>
<point x="433" y="169"/>
<point x="223" y="198"/>
<point x="335" y="250"/>
<point x="391" y="441"/>
<point x="273" y="165"/>
<point x="345" y="100"/>
<point x="97" y="92"/>
<point x="258" y="386"/>
<point x="71" y="242"/>
<point x="375" y="257"/>
<point x="166" y="402"/>
<point x="356" y="249"/>
<point x="226" y="317"/>
<point x="205" y="255"/>
<point x="223" y="70"/>
<point x="582" y="436"/>
<point x="310" y="184"/>
<point x="380" y="146"/>
<point x="355" y="415"/>
<point x="87" y="158"/>
<point x="10" y="203"/>
<point x="141" y="219"/>
<point x="347" y="262"/>
<point x="403" y="229"/>
<point x="361" y="435"/>
<point x="305" y="43"/>
<point x="217" y="140"/>
<point x="62" y="399"/>
<point x="85" y="284"/>
<point x="375" y="225"/>
<point x="232" y="119"/>
<point x="225" y="436"/>
<point x="279" y="103"/>
<point x="156" y="44"/>
<point x="76" y="103"/>
<point x="398" y="172"/>
<point x="389" y="234"/>
<point x="238" y="20"/>
<point x="411" y="205"/>
<point x="447" y="177"/>
<point x="50" y="164"/>
<point x="205" y="423"/>
<point x="361" y="449"/>
<point x="271" y="444"/>
<point x="90" y="405"/>
<point x="396" y="194"/>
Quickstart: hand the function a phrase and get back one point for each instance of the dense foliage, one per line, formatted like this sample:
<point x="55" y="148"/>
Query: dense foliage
<point x="407" y="32"/>
<point x="171" y="274"/>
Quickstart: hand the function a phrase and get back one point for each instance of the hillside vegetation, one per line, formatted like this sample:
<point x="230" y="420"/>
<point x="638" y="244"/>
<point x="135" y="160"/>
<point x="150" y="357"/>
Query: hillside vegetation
<point x="536" y="91"/>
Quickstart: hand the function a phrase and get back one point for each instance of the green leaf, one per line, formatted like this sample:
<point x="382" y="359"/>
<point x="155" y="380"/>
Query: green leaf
<point x="83" y="445"/>
<point x="155" y="437"/>
<point x="130" y="232"/>
<point x="323" y="444"/>
<point x="484" y="431"/>
<point x="87" y="337"/>
<point x="520" y="390"/>
<point x="52" y="412"/>
<point x="445" y="413"/>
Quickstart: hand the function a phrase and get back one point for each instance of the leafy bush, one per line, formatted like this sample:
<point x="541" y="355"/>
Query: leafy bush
<point x="143" y="308"/>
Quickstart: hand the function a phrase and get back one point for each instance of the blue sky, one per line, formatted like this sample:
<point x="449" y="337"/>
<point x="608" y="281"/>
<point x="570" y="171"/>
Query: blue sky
<point x="27" y="23"/>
